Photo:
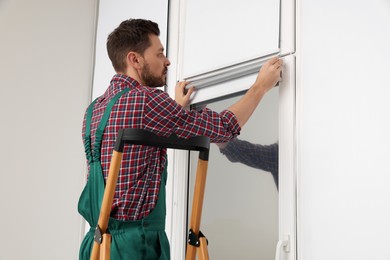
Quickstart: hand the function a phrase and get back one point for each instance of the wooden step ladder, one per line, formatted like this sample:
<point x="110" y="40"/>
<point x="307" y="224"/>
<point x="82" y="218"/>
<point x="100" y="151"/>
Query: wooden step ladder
<point x="196" y="240"/>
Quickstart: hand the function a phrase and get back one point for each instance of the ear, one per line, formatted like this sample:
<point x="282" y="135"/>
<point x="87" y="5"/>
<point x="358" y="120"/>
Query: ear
<point x="134" y="60"/>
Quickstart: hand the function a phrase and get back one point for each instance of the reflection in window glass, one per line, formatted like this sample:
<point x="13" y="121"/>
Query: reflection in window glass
<point x="240" y="210"/>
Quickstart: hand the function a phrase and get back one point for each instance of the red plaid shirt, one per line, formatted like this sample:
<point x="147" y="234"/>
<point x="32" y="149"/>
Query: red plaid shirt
<point x="142" y="166"/>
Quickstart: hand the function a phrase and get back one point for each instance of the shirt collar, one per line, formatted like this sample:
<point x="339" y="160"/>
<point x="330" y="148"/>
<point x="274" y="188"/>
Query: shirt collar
<point x="124" y="81"/>
<point x="118" y="83"/>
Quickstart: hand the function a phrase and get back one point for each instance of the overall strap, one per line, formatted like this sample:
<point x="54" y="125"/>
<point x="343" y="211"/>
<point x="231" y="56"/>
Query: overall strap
<point x="95" y="156"/>
<point x="87" y="136"/>
<point x="103" y="123"/>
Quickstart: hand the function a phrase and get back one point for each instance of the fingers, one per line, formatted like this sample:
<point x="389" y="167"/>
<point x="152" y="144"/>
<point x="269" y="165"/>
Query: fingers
<point x="182" y="93"/>
<point x="270" y="73"/>
<point x="190" y="91"/>
<point x="276" y="62"/>
<point x="279" y="63"/>
<point x="280" y="68"/>
<point x="182" y="84"/>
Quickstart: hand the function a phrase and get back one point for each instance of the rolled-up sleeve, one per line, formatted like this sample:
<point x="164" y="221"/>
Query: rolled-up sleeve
<point x="263" y="157"/>
<point x="164" y="116"/>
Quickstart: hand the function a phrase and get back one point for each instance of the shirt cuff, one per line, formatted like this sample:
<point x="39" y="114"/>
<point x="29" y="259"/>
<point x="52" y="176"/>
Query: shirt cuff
<point x="232" y="121"/>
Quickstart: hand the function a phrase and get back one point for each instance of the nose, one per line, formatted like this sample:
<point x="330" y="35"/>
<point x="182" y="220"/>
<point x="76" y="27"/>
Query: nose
<point x="167" y="62"/>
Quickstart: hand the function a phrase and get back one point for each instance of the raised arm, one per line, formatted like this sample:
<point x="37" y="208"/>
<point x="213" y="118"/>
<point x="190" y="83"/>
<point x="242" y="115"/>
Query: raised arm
<point x="263" y="157"/>
<point x="267" y="78"/>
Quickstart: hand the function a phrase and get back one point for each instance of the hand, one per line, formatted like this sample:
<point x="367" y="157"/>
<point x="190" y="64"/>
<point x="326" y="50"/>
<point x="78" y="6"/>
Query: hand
<point x="221" y="145"/>
<point x="270" y="73"/>
<point x="182" y="95"/>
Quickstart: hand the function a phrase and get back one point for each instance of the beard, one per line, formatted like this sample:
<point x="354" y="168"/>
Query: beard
<point x="151" y="80"/>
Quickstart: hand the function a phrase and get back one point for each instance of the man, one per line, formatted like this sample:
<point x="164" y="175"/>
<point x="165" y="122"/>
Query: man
<point x="263" y="157"/>
<point x="132" y="101"/>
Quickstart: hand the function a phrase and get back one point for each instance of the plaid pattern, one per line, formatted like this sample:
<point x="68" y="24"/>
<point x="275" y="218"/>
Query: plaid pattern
<point x="151" y="109"/>
<point x="263" y="157"/>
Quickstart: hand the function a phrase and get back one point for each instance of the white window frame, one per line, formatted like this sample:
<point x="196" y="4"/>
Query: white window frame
<point x="178" y="166"/>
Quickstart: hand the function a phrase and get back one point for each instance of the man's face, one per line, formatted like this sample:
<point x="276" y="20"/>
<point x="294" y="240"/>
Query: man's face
<point x="155" y="67"/>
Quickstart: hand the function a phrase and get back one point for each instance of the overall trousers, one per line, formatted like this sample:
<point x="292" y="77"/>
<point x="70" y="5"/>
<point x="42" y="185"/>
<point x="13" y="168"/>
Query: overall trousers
<point x="143" y="239"/>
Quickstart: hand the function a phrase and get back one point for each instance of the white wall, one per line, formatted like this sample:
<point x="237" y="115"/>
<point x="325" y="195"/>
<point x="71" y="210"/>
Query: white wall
<point x="111" y="14"/>
<point x="343" y="130"/>
<point x="46" y="51"/>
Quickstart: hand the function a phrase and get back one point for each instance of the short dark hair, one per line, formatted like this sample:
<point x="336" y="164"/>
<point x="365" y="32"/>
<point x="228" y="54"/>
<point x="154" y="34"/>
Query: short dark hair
<point x="130" y="35"/>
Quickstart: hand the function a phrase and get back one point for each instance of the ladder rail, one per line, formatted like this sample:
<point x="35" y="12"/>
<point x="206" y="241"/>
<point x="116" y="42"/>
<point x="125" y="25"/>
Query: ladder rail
<point x="143" y="137"/>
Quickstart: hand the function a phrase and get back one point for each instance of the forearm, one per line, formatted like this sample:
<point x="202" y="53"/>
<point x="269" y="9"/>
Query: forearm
<point x="220" y="127"/>
<point x="263" y="157"/>
<point x="267" y="78"/>
<point x="244" y="108"/>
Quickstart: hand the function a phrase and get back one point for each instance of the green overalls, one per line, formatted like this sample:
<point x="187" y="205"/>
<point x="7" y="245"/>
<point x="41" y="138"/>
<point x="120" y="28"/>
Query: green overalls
<point x="131" y="240"/>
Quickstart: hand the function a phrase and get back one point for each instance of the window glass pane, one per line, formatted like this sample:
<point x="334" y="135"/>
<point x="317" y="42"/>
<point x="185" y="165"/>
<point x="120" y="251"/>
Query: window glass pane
<point x="240" y="211"/>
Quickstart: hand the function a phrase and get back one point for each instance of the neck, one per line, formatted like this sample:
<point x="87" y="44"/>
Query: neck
<point x="134" y="74"/>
